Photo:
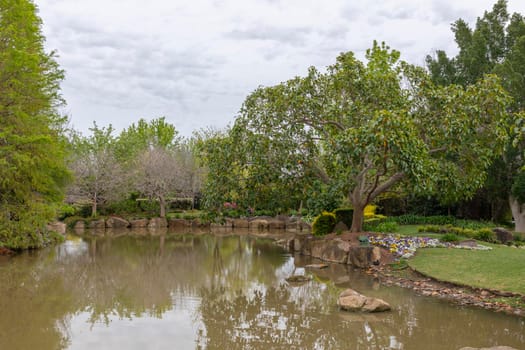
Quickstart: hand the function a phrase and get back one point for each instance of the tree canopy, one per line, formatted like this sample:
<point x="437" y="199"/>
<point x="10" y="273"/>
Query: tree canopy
<point x="496" y="45"/>
<point x="32" y="147"/>
<point x="365" y="127"/>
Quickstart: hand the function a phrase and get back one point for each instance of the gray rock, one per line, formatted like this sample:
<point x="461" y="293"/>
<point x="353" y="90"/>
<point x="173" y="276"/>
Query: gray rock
<point x="503" y="235"/>
<point x="330" y="250"/>
<point x="139" y="223"/>
<point x="157" y="222"/>
<point x="316" y="266"/>
<point x="97" y="224"/>
<point x="363" y="256"/>
<point x="241" y="223"/>
<point x="116" y="222"/>
<point x="179" y="223"/>
<point x="298" y="279"/>
<point x="350" y="300"/>
<point x="259" y="224"/>
<point x="276" y="224"/>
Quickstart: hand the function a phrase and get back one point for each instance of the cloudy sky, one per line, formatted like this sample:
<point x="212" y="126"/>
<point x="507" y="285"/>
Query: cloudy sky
<point x="195" y="61"/>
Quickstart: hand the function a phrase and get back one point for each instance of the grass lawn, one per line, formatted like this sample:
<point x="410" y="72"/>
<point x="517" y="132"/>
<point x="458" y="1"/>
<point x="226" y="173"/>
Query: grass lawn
<point x="502" y="268"/>
<point x="411" y="230"/>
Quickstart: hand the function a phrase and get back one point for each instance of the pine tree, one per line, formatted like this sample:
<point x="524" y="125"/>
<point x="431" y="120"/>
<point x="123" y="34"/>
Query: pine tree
<point x="32" y="146"/>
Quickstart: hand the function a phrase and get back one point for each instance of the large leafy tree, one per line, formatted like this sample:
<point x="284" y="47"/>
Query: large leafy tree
<point x="32" y="160"/>
<point x="495" y="45"/>
<point x="144" y="135"/>
<point x="366" y="127"/>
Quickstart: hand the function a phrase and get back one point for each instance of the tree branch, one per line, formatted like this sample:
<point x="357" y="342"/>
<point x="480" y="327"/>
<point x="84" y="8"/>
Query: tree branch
<point x="386" y="185"/>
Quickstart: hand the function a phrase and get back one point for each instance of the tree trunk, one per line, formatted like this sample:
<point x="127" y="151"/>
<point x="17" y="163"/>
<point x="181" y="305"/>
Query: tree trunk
<point x="162" y="204"/>
<point x="357" y="219"/>
<point x="94" y="206"/>
<point x="518" y="213"/>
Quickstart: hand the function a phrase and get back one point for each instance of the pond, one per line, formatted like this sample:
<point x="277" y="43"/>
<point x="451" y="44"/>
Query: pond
<point x="180" y="291"/>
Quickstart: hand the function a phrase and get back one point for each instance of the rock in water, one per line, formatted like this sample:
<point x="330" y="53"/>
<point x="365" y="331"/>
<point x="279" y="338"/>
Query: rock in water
<point x="350" y="300"/>
<point x="316" y="266"/>
<point x="298" y="278"/>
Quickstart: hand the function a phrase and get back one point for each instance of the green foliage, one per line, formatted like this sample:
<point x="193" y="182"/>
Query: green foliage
<point x="65" y="210"/>
<point x="518" y="187"/>
<point x="70" y="221"/>
<point x="486" y="235"/>
<point x="357" y="129"/>
<point x="143" y="135"/>
<point x="481" y="234"/>
<point x="410" y="219"/>
<point x="450" y="237"/>
<point x="388" y="226"/>
<point x="495" y="46"/>
<point x="32" y="146"/>
<point x="344" y="215"/>
<point x="323" y="224"/>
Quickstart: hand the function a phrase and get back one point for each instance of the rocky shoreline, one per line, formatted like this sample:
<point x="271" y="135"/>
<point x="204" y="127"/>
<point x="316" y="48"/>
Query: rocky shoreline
<point x="461" y="295"/>
<point x="380" y="264"/>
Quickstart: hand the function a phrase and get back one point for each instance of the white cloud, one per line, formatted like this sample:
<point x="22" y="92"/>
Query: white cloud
<point x="195" y="61"/>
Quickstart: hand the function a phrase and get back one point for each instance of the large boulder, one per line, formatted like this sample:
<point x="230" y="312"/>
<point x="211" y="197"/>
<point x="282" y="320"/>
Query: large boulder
<point x="503" y="235"/>
<point x="241" y="223"/>
<point x="330" y="250"/>
<point x="364" y="256"/>
<point x="277" y="224"/>
<point x="97" y="224"/>
<point x="116" y="222"/>
<point x="179" y="224"/>
<point x="139" y="223"/>
<point x="259" y="224"/>
<point x="157" y="222"/>
<point x="350" y="300"/>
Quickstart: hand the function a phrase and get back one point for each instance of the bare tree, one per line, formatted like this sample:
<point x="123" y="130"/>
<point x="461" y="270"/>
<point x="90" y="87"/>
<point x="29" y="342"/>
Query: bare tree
<point x="98" y="176"/>
<point x="162" y="173"/>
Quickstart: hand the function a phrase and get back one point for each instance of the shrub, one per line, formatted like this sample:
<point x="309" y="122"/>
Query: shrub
<point x="411" y="219"/>
<point x="486" y="235"/>
<point x="70" y="221"/>
<point x="323" y="224"/>
<point x="429" y="228"/>
<point x="344" y="215"/>
<point x="387" y="226"/>
<point x="449" y="237"/>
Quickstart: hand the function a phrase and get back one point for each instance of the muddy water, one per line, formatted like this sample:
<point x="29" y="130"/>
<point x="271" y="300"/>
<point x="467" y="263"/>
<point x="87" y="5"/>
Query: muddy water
<point x="215" y="292"/>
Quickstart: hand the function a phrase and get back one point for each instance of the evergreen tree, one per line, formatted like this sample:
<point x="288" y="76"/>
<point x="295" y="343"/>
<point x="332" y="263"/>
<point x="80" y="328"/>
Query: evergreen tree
<point x="32" y="146"/>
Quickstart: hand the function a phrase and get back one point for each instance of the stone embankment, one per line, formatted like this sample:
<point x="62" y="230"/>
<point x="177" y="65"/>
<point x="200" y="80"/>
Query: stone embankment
<point x="256" y="224"/>
<point x="337" y="250"/>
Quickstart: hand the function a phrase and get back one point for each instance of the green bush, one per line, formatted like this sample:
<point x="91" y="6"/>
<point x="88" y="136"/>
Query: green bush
<point x="411" y="219"/>
<point x="70" y="221"/>
<point x="65" y="210"/>
<point x="449" y="237"/>
<point x="429" y="228"/>
<point x="344" y="215"/>
<point x="323" y="224"/>
<point x="387" y="227"/>
<point x="486" y="235"/>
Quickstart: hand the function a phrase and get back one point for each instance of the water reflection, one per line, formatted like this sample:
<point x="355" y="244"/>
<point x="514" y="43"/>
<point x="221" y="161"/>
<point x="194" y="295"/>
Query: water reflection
<point x="214" y="292"/>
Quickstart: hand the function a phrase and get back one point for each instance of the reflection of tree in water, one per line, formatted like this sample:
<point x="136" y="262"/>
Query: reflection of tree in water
<point x="272" y="319"/>
<point x="34" y="303"/>
<point x="243" y="304"/>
